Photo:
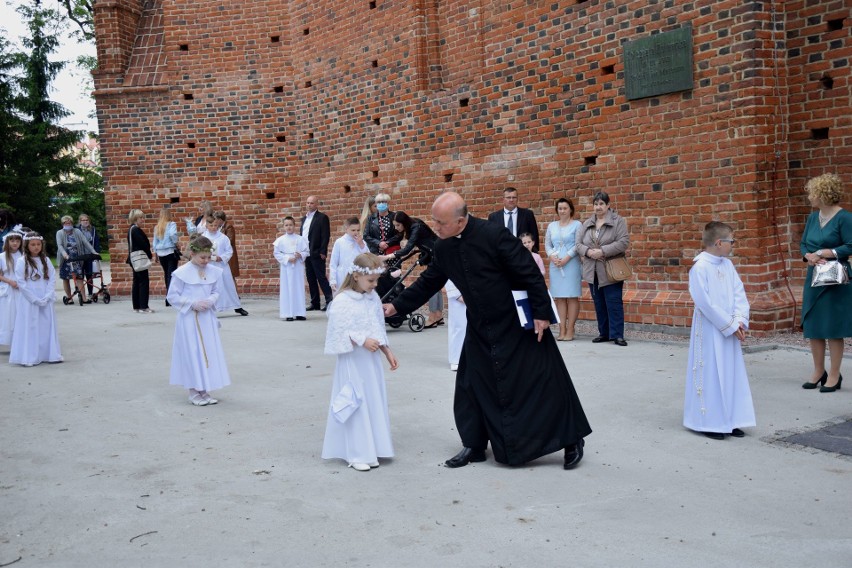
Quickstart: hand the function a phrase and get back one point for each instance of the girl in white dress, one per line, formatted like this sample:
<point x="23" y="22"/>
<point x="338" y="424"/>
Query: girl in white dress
<point x="219" y="256"/>
<point x="358" y="426"/>
<point x="198" y="363"/>
<point x="290" y="250"/>
<point x="35" y="338"/>
<point x="344" y="251"/>
<point x="8" y="285"/>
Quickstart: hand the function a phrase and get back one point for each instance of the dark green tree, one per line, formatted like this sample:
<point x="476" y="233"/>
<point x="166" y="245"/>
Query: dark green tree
<point x="41" y="177"/>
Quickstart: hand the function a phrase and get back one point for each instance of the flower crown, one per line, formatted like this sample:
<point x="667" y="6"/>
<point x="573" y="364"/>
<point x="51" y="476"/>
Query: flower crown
<point x="353" y="268"/>
<point x="17" y="232"/>
<point x="195" y="247"/>
<point x="33" y="237"/>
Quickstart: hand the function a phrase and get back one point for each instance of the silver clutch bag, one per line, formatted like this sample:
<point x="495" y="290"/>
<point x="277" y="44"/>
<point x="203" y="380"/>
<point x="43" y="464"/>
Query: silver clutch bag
<point x="829" y="274"/>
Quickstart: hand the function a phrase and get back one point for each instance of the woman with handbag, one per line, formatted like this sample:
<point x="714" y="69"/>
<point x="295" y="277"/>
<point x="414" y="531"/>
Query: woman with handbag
<point x="602" y="246"/>
<point x="139" y="259"/>
<point x="826" y="246"/>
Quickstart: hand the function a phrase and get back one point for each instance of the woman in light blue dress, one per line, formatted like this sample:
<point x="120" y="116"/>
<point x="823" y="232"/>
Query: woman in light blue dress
<point x="565" y="270"/>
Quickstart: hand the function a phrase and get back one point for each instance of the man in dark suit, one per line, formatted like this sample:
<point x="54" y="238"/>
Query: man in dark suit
<point x="317" y="229"/>
<point x="517" y="219"/>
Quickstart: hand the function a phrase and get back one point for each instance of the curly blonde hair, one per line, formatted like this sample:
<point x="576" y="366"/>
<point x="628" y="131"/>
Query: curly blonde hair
<point x="828" y="188"/>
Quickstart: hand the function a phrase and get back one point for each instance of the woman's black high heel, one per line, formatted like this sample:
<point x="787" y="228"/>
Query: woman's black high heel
<point x="821" y="381"/>
<point x="834" y="388"/>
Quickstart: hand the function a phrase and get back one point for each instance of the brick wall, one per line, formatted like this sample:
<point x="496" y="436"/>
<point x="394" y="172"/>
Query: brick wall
<point x="257" y="105"/>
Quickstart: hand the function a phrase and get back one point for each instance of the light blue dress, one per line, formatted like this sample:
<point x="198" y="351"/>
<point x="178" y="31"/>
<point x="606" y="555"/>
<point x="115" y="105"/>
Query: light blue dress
<point x="564" y="280"/>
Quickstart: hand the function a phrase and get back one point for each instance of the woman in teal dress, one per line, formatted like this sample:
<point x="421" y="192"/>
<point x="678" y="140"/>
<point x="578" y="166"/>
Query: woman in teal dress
<point x="565" y="271"/>
<point x="826" y="309"/>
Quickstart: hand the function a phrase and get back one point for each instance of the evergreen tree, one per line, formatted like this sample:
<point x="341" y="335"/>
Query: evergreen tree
<point x="40" y="176"/>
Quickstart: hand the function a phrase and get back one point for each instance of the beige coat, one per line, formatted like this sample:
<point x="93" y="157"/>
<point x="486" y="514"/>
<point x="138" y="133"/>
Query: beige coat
<point x="613" y="239"/>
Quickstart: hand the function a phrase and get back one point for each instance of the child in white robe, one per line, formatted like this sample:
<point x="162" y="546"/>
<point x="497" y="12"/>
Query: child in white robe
<point x="718" y="400"/>
<point x="344" y="251"/>
<point x="8" y="285"/>
<point x="34" y="337"/>
<point x="198" y="362"/>
<point x="219" y="256"/>
<point x="358" y="425"/>
<point x="456" y="324"/>
<point x="290" y="250"/>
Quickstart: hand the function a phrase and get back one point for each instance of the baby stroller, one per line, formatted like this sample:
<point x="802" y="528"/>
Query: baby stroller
<point x="389" y="288"/>
<point x="101" y="290"/>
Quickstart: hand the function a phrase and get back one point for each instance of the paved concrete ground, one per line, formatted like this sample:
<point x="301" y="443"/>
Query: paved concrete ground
<point x="102" y="463"/>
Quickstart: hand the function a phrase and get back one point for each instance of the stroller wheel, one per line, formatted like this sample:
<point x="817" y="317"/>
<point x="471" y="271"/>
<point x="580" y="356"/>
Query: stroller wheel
<point x="417" y="322"/>
<point x="66" y="301"/>
<point x="106" y="298"/>
<point x="395" y="324"/>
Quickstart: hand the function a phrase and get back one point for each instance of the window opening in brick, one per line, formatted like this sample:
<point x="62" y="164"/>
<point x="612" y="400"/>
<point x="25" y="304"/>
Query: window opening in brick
<point x="607" y="69"/>
<point x="827" y="82"/>
<point x="278" y="89"/>
<point x="174" y="200"/>
<point x="374" y="63"/>
<point x="375" y="173"/>
<point x="819" y="133"/>
<point x="448" y="177"/>
<point x="306" y="31"/>
<point x="308" y="84"/>
<point x="347" y="188"/>
<point x="274" y="39"/>
<point x="377" y="120"/>
<point x="270" y="195"/>
<point x="184" y="47"/>
<point x="190" y="144"/>
<point x="281" y="138"/>
<point x="310" y="135"/>
<point x="590" y="160"/>
<point x="834" y="25"/>
<point x="372" y="4"/>
<point x="463" y="102"/>
<point x="188" y="96"/>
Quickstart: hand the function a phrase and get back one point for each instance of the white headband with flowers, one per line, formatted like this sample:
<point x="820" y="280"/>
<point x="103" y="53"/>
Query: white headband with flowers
<point x="353" y="268"/>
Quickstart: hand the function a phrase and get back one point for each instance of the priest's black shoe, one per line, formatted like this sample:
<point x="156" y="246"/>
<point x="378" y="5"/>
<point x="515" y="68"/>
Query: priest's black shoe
<point x="241" y="311"/>
<point x="737" y="433"/>
<point x="714" y="435"/>
<point x="573" y="454"/>
<point x="600" y="339"/>
<point x="465" y="457"/>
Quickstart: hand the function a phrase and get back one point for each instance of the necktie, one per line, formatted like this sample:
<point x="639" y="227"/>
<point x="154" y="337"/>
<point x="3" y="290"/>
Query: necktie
<point x="509" y="224"/>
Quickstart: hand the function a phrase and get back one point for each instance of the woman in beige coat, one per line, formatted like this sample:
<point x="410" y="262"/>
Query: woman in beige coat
<point x="604" y="236"/>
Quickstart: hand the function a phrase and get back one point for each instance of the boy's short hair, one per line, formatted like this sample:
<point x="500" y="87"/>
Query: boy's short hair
<point x="289" y="218"/>
<point x="351" y="221"/>
<point x="715" y="230"/>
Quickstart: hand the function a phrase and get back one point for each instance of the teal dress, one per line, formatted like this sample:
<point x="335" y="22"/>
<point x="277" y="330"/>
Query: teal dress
<point x="826" y="309"/>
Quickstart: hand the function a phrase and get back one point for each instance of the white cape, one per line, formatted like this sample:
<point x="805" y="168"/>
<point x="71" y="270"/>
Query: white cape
<point x="358" y="425"/>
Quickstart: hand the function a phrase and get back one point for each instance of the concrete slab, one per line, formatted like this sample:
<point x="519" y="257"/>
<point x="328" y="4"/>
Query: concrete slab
<point x="104" y="464"/>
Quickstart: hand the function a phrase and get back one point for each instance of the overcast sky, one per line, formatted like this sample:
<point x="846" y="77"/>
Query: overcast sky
<point x="68" y="88"/>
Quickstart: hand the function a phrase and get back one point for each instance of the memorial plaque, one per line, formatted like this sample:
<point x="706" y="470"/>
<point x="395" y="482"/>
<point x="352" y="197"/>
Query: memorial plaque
<point x="658" y="64"/>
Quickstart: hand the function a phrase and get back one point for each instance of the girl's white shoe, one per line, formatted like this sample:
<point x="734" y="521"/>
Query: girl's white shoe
<point x="198" y="400"/>
<point x="206" y="396"/>
<point x="359" y="466"/>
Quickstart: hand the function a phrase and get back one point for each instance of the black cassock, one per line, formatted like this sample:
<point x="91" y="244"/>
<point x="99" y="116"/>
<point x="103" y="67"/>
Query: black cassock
<point x="511" y="390"/>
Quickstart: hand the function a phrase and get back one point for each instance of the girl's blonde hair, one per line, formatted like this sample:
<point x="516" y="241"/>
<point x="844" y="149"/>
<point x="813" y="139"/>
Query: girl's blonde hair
<point x="367" y="210"/>
<point x="134" y="215"/>
<point x="163" y="222"/>
<point x="365" y="263"/>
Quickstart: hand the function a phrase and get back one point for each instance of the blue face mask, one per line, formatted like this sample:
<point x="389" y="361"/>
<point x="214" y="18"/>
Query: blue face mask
<point x="381" y="207"/>
<point x="67" y="227"/>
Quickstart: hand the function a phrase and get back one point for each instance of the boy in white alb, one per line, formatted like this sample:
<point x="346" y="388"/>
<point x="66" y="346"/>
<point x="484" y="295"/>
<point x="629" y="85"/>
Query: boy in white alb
<point x="291" y="250"/>
<point x="219" y="257"/>
<point x="718" y="400"/>
<point x="344" y="251"/>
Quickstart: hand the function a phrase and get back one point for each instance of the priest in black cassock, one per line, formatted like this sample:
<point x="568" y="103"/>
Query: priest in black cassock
<point x="512" y="387"/>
